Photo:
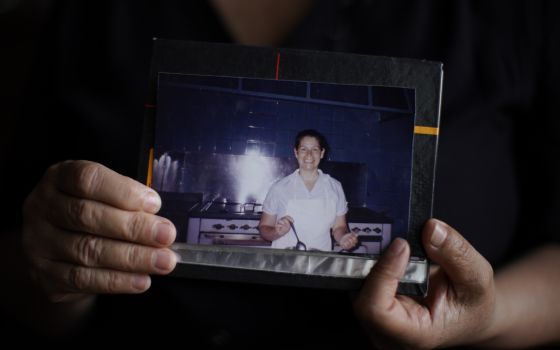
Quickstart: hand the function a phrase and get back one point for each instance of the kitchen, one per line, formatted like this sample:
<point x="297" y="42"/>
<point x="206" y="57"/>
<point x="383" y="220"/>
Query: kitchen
<point x="214" y="168"/>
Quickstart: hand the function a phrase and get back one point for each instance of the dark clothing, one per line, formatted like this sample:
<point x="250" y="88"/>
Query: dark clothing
<point x="498" y="174"/>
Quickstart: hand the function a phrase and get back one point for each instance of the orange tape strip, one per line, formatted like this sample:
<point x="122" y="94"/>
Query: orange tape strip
<point x="150" y="168"/>
<point x="426" y="130"/>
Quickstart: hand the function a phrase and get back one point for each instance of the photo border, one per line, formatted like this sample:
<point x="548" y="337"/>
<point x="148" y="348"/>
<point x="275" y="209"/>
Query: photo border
<point x="227" y="263"/>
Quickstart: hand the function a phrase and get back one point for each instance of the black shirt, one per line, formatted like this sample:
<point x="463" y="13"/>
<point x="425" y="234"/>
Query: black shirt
<point x="497" y="182"/>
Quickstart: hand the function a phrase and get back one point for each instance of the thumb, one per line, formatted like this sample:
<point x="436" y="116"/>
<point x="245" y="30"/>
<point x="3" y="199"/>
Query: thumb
<point x="380" y="286"/>
<point x="462" y="264"/>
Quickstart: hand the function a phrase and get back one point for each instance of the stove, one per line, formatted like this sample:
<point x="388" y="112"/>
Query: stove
<point x="226" y="223"/>
<point x="373" y="230"/>
<point x="231" y="223"/>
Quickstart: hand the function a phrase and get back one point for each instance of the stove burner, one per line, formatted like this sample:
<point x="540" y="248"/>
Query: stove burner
<point x="227" y="207"/>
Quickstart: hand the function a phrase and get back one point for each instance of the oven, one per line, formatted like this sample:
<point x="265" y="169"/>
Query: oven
<point x="373" y="230"/>
<point x="226" y="223"/>
<point x="236" y="224"/>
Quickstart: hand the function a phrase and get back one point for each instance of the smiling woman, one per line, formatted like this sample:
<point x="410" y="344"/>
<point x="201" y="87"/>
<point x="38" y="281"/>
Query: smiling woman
<point x="307" y="199"/>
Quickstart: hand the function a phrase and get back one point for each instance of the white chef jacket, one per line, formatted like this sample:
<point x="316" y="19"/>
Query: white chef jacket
<point x="291" y="189"/>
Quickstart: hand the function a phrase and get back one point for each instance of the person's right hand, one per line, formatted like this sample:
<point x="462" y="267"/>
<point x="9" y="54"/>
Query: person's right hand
<point x="88" y="230"/>
<point x="283" y="225"/>
<point x="460" y="307"/>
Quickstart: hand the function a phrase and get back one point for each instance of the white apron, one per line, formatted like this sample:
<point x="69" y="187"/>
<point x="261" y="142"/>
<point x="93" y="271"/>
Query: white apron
<point x="313" y="219"/>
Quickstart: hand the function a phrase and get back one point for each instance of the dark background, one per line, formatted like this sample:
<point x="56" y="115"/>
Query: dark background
<point x="497" y="171"/>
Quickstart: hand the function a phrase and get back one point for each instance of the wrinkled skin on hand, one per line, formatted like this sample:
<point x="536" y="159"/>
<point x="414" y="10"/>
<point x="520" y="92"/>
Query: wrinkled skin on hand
<point x="458" y="309"/>
<point x="88" y="230"/>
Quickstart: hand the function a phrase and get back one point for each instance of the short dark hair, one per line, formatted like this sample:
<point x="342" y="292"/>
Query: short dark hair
<point x="312" y="133"/>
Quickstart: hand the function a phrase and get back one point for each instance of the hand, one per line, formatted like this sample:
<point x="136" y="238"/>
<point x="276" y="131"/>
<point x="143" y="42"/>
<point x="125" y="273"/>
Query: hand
<point x="460" y="304"/>
<point x="283" y="225"/>
<point x="348" y="241"/>
<point x="89" y="230"/>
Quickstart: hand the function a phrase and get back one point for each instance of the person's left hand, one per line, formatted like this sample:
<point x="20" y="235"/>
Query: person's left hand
<point x="461" y="301"/>
<point x="348" y="241"/>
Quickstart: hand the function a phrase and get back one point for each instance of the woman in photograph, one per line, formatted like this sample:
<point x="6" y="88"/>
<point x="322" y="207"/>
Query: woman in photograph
<point x="301" y="209"/>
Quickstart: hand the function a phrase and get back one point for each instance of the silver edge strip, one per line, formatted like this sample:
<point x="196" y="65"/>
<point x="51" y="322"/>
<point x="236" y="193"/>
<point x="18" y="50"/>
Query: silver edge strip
<point x="292" y="262"/>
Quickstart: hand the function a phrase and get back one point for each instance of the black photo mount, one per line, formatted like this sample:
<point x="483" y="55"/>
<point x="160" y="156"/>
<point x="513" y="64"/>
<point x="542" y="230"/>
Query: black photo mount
<point x="251" y="65"/>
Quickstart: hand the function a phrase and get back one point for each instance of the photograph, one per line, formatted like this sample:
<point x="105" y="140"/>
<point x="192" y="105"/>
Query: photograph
<point x="291" y="167"/>
<point x="283" y="164"/>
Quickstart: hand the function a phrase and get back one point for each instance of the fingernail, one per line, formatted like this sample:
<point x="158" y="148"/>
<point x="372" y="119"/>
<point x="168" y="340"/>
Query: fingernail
<point x="397" y="247"/>
<point x="152" y="202"/>
<point x="163" y="233"/>
<point x="438" y="236"/>
<point x="162" y="260"/>
<point x="141" y="282"/>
